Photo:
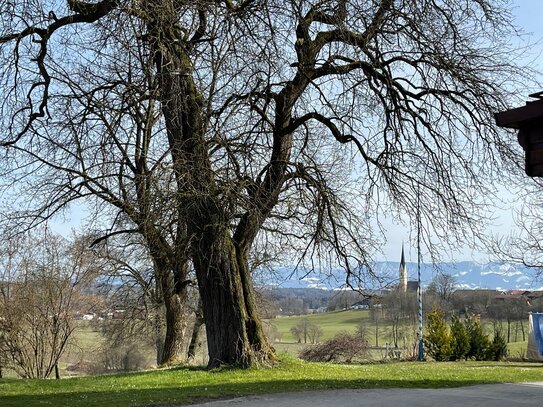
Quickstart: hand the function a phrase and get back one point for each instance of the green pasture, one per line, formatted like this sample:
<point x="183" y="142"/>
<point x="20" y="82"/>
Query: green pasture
<point x="332" y="323"/>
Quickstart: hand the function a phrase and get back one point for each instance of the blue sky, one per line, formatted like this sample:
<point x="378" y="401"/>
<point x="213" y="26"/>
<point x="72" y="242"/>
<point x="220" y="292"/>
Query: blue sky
<point x="528" y="15"/>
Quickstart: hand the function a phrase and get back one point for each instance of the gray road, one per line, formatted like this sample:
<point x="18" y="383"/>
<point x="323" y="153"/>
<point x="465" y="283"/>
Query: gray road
<point x="495" y="395"/>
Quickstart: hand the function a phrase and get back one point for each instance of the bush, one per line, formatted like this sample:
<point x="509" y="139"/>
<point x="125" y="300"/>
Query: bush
<point x="122" y="358"/>
<point x="342" y="348"/>
<point x="498" y="348"/>
<point x="460" y="342"/>
<point x="126" y="347"/>
<point x="271" y="332"/>
<point x="465" y="340"/>
<point x="478" y="341"/>
<point x="438" y="341"/>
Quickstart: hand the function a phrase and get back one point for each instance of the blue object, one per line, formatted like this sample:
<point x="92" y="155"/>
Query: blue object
<point x="537" y="321"/>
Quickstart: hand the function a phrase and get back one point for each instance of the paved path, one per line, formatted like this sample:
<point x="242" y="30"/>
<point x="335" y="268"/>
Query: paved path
<point x="493" y="395"/>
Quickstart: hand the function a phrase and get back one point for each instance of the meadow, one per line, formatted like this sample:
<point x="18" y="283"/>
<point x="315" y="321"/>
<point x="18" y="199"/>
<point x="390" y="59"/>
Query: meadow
<point x="85" y="350"/>
<point x="332" y="323"/>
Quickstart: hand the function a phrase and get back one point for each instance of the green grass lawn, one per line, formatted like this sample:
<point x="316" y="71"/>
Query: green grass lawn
<point x="188" y="385"/>
<point x="330" y="322"/>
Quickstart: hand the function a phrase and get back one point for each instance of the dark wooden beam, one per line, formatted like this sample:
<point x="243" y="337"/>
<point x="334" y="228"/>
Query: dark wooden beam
<point x="519" y="117"/>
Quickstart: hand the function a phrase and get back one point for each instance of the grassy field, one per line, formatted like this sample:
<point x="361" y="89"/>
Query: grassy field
<point x="84" y="351"/>
<point x="189" y="385"/>
<point x="330" y="322"/>
<point x="337" y="321"/>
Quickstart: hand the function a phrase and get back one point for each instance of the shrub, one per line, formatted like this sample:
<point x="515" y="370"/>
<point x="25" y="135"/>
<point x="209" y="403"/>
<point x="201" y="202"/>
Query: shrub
<point x="271" y="332"/>
<point x="478" y="341"/>
<point x="460" y="341"/>
<point x="342" y="348"/>
<point x="438" y="339"/>
<point x="498" y="348"/>
<point x="128" y="357"/>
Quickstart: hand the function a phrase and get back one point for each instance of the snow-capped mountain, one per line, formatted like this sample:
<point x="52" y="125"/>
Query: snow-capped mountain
<point x="468" y="275"/>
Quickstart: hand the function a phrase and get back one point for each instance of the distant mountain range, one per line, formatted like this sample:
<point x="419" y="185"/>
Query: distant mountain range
<point x="468" y="274"/>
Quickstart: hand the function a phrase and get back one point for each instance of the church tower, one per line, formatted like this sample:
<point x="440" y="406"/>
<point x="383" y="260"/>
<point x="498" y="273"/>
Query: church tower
<point x="402" y="286"/>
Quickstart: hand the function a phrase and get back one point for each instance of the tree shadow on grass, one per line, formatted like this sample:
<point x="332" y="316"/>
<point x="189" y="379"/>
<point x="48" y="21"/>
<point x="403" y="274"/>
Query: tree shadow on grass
<point x="190" y="395"/>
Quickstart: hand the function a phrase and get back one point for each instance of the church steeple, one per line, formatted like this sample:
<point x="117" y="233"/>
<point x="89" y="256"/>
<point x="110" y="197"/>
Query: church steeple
<point x="402" y="286"/>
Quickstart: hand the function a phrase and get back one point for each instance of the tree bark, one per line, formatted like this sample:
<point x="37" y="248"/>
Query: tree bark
<point x="159" y="338"/>
<point x="175" y="329"/>
<point x="198" y="322"/>
<point x="174" y="294"/>
<point x="234" y="330"/>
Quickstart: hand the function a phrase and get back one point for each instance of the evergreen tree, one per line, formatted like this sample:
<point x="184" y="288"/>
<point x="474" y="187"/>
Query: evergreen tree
<point x="438" y="339"/>
<point x="498" y="348"/>
<point x="479" y="342"/>
<point x="460" y="340"/>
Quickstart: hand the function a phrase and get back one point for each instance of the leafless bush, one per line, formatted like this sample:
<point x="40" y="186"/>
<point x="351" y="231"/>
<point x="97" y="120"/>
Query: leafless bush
<point x="42" y="284"/>
<point x="128" y="346"/>
<point x="126" y="358"/>
<point x="272" y="333"/>
<point x="342" y="348"/>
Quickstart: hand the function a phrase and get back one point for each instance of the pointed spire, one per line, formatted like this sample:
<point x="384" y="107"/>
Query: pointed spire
<point x="403" y="273"/>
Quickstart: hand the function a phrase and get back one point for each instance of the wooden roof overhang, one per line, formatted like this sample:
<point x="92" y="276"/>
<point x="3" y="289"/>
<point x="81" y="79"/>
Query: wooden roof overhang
<point x="528" y="120"/>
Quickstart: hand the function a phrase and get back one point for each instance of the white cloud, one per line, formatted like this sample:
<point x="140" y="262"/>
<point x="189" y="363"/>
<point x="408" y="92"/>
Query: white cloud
<point x="502" y="273"/>
<point x="465" y="286"/>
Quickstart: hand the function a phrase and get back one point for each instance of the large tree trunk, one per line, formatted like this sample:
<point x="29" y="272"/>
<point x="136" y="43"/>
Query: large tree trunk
<point x="234" y="330"/>
<point x="198" y="322"/>
<point x="175" y="329"/>
<point x="174" y="296"/>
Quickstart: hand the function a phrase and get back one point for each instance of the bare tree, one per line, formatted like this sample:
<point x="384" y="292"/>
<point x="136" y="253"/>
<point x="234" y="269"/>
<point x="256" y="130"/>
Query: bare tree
<point x="400" y="310"/>
<point x="523" y="245"/>
<point x="443" y="286"/>
<point x="306" y="331"/>
<point x="37" y="302"/>
<point x="376" y="315"/>
<point x="210" y="127"/>
<point x="131" y="282"/>
<point x="314" y="333"/>
<point x="472" y="301"/>
<point x="511" y="309"/>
